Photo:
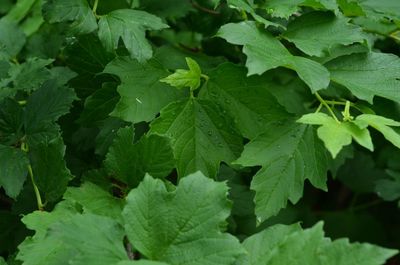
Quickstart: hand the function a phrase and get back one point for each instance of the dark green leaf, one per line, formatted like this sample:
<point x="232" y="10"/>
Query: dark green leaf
<point x="130" y="26"/>
<point x="201" y="136"/>
<point x="129" y="161"/>
<point x="289" y="154"/>
<point x="13" y="170"/>
<point x="142" y="95"/>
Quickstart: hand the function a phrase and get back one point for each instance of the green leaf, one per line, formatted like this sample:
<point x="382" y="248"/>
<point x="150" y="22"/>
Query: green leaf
<point x="282" y="244"/>
<point x="31" y="74"/>
<point x="181" y="226"/>
<point x="201" y="136"/>
<point x="49" y="168"/>
<point x="40" y="249"/>
<point x="289" y="154"/>
<point x="11" y="121"/>
<point x="166" y="8"/>
<point x="94" y="239"/>
<point x="140" y="262"/>
<point x="46" y="105"/>
<point x="381" y="124"/>
<point x="129" y="161"/>
<point x="389" y="188"/>
<point x="12" y="39"/>
<point x="2" y="261"/>
<point x="286" y="8"/>
<point x="247" y="7"/>
<point x="247" y="99"/>
<point x="316" y="33"/>
<point x="185" y="78"/>
<point x="142" y="95"/>
<point x="13" y="170"/>
<point x="335" y="134"/>
<point x="265" y="52"/>
<point x="368" y="75"/>
<point x="99" y="105"/>
<point x="78" y="12"/>
<point x="130" y="26"/>
<point x="95" y="200"/>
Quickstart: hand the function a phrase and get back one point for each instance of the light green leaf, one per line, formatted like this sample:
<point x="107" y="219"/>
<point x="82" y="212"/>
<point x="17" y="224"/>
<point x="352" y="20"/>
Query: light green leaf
<point x="289" y="154"/>
<point x="245" y="98"/>
<point x="381" y="124"/>
<point x="95" y="200"/>
<point x="335" y="134"/>
<point x="12" y="39"/>
<point x="49" y="168"/>
<point x="142" y="94"/>
<point x="265" y="52"/>
<point x="201" y="136"/>
<point x="13" y="170"/>
<point x="181" y="226"/>
<point x="316" y="33"/>
<point x="95" y="239"/>
<point x="368" y="75"/>
<point x="39" y="249"/>
<point x="129" y="162"/>
<point x="78" y="12"/>
<point x="185" y="78"/>
<point x="130" y="26"/>
<point x="2" y="261"/>
<point x="281" y="244"/>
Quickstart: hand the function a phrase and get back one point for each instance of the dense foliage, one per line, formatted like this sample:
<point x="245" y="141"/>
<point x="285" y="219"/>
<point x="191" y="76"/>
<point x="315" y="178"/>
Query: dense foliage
<point x="199" y="132"/>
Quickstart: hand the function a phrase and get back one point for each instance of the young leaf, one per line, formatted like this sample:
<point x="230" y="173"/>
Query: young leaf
<point x="289" y="154"/>
<point x="281" y="244"/>
<point x="142" y="95"/>
<point x="247" y="99"/>
<point x="130" y="26"/>
<point x="201" y="136"/>
<point x="185" y="78"/>
<point x="381" y="124"/>
<point x="78" y="12"/>
<point x="265" y="52"/>
<point x="129" y="161"/>
<point x="316" y="33"/>
<point x="181" y="226"/>
<point x="368" y="75"/>
<point x="13" y="170"/>
<point x="335" y="134"/>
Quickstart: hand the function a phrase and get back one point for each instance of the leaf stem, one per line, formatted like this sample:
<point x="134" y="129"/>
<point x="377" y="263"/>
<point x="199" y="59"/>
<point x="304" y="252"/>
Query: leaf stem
<point x="94" y="9"/>
<point x="325" y="104"/>
<point x="25" y="148"/>
<point x="36" y="189"/>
